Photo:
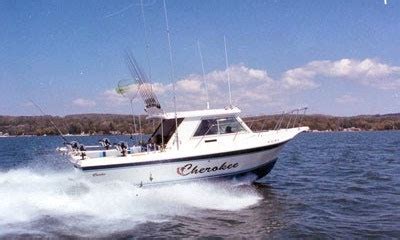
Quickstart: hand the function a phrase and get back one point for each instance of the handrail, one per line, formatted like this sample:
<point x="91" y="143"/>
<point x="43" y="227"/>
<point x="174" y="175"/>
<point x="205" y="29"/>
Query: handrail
<point x="290" y="118"/>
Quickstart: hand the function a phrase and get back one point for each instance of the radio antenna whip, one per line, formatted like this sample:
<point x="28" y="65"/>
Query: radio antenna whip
<point x="229" y="76"/>
<point x="172" y="74"/>
<point x="204" y="74"/>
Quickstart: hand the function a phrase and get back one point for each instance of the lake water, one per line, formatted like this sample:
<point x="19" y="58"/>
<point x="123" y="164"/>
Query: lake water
<point x="324" y="185"/>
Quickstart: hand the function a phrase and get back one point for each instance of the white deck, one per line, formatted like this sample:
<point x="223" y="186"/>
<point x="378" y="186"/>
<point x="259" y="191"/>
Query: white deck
<point x="197" y="146"/>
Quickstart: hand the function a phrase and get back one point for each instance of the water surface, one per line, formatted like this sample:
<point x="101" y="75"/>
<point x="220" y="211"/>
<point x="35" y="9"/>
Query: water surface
<point x="324" y="185"/>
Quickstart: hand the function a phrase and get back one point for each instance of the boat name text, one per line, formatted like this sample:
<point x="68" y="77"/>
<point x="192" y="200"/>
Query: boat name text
<point x="194" y="169"/>
<point x="98" y="174"/>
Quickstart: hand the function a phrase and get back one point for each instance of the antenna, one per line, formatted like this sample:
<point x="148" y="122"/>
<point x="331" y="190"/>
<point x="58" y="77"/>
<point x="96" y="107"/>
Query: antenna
<point x="204" y="77"/>
<point x="229" y="76"/>
<point x="146" y="39"/>
<point x="172" y="73"/>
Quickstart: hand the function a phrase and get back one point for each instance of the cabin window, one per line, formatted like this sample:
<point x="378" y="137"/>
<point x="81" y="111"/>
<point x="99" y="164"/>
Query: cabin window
<point x="168" y="130"/>
<point x="219" y="126"/>
<point x="207" y="127"/>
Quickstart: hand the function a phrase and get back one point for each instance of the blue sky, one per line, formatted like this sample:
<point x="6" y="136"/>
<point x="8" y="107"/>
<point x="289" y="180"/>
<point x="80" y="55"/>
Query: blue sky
<point x="336" y="57"/>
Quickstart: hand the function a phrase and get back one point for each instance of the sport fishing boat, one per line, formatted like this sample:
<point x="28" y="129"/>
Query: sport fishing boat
<point x="186" y="145"/>
<point x="212" y="143"/>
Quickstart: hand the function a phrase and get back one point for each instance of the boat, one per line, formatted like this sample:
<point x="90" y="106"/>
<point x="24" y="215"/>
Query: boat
<point x="212" y="143"/>
<point x="186" y="145"/>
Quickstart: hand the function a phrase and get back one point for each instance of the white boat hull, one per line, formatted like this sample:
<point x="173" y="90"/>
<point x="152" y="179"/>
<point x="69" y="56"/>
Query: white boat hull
<point x="259" y="161"/>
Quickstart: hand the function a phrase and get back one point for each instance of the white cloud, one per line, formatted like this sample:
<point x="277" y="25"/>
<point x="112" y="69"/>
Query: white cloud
<point x="112" y="97"/>
<point x="255" y="89"/>
<point x="347" y="99"/>
<point x="81" y="102"/>
<point x="160" y="88"/>
<point x="27" y="104"/>
<point x="191" y="84"/>
<point x="249" y="86"/>
<point x="299" y="78"/>
<point x="369" y="72"/>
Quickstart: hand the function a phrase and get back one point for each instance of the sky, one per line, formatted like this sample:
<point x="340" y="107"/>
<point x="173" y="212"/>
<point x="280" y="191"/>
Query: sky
<point x="337" y="57"/>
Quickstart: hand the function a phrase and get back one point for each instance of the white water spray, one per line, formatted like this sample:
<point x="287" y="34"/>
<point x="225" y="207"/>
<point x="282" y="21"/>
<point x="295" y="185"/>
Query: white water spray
<point x="28" y="197"/>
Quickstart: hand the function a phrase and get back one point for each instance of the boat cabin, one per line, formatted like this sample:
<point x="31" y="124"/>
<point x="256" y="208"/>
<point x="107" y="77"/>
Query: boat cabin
<point x="194" y="125"/>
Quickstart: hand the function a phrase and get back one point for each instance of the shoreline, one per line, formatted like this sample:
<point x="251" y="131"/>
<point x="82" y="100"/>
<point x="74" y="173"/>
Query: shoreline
<point x="89" y="135"/>
<point x="100" y="124"/>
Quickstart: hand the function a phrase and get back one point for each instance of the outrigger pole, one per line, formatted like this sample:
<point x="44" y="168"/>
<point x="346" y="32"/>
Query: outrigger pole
<point x="147" y="47"/>
<point x="51" y="121"/>
<point x="172" y="74"/>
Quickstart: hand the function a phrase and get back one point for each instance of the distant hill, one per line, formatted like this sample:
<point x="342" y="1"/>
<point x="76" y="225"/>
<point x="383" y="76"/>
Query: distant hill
<point x="333" y="123"/>
<point x="71" y="124"/>
<point x="94" y="123"/>
<point x="391" y="115"/>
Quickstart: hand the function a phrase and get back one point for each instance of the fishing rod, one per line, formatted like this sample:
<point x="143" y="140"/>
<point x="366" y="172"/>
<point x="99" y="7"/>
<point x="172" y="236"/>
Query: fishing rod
<point x="51" y="121"/>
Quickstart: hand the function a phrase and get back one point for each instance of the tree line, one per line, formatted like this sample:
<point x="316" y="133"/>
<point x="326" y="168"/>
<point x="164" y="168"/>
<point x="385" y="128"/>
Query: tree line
<point x="74" y="124"/>
<point x="328" y="123"/>
<point x="123" y="124"/>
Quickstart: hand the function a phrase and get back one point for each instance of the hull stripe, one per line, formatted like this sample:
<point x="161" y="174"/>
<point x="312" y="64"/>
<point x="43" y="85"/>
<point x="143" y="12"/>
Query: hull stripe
<point x="194" y="158"/>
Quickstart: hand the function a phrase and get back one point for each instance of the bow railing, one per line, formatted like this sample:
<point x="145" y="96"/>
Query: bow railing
<point x="282" y="120"/>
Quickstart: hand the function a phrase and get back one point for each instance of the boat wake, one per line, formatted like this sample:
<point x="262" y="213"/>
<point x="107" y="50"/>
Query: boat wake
<point x="42" y="204"/>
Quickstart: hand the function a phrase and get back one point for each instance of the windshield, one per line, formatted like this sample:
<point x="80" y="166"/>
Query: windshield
<point x="224" y="125"/>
